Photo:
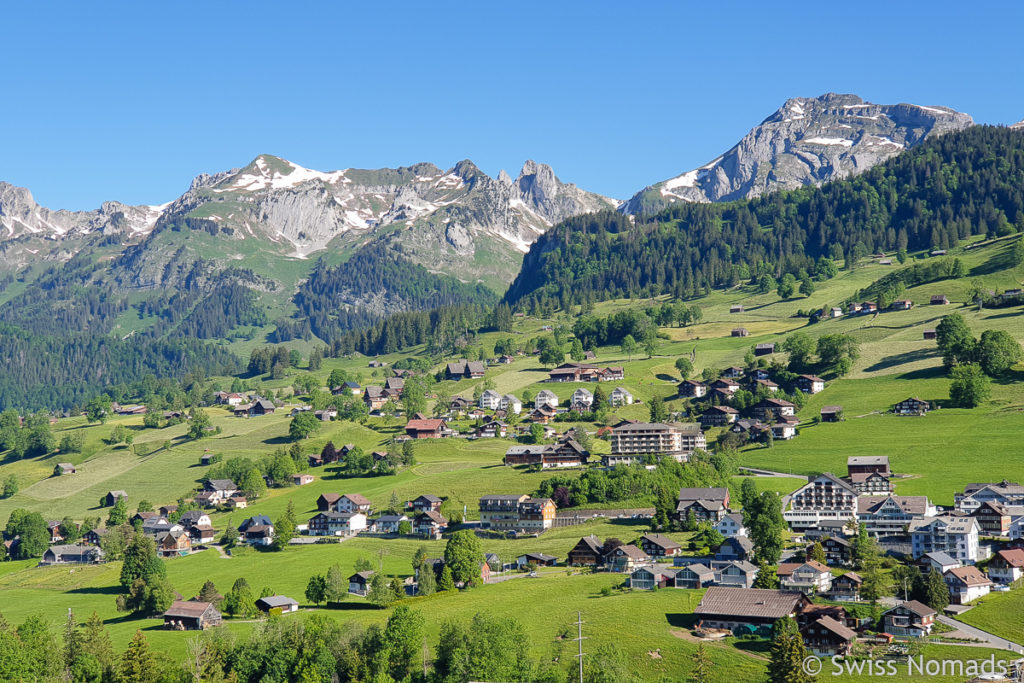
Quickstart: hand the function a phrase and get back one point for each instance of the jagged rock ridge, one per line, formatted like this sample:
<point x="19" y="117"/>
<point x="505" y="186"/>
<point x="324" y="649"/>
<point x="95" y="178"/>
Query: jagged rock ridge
<point x="807" y="141"/>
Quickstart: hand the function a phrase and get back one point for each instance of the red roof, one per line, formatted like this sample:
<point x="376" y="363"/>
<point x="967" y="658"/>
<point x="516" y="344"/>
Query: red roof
<point x="431" y="425"/>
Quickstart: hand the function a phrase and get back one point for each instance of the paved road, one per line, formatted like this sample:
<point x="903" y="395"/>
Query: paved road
<point x="758" y="472"/>
<point x="992" y="640"/>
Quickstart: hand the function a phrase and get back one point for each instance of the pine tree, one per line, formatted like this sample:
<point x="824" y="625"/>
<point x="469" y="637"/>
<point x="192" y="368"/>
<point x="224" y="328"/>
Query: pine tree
<point x="95" y="641"/>
<point x="766" y="577"/>
<point x="137" y="663"/>
<point x="702" y="666"/>
<point x="936" y="591"/>
<point x="447" y="582"/>
<point x="379" y="594"/>
<point x="787" y="654"/>
<point x="316" y="589"/>
<point x="337" y="587"/>
<point x="427" y="580"/>
<point x="816" y="553"/>
<point x="208" y="593"/>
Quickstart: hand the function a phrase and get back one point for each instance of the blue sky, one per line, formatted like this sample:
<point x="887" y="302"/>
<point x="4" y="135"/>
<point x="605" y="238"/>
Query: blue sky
<point x="129" y="102"/>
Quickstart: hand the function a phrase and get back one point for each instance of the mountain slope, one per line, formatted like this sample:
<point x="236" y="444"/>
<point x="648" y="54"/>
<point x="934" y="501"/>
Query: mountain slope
<point x="807" y="141"/>
<point x="930" y="197"/>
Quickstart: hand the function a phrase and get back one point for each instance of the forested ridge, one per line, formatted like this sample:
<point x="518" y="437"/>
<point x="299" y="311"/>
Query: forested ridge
<point x="933" y="196"/>
<point x="376" y="273"/>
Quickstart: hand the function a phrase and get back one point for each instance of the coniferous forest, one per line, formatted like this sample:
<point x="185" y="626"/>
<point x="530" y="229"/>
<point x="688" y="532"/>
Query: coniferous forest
<point x="930" y="197"/>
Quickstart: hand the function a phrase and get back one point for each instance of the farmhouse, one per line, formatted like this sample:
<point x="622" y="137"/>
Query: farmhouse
<point x="336" y="523"/>
<point x="588" y="551"/>
<point x="846" y="587"/>
<point x="191" y="615"/>
<point x="995" y="519"/>
<point x="730" y="386"/>
<point x="706" y="504"/>
<point x="359" y="583"/>
<point x="257" y="530"/>
<point x="425" y="502"/>
<point x="911" y="618"/>
<point x="626" y="558"/>
<point x="465" y="369"/>
<point x="327" y="501"/>
<point x="718" y="416"/>
<point x="492" y="429"/>
<point x="826" y="637"/>
<point x="808" y="577"/>
<point x="868" y="464"/>
<point x="430" y="524"/>
<point x="731" y="525"/>
<point x="374" y="397"/>
<point x="434" y="428"/>
<point x="539" y="559"/>
<point x="911" y="406"/>
<point x="939" y="300"/>
<point x="770" y="410"/>
<point x="565" y="454"/>
<point x="733" y="372"/>
<point x="353" y="502"/>
<point x="731" y="608"/>
<point x="902" y="305"/>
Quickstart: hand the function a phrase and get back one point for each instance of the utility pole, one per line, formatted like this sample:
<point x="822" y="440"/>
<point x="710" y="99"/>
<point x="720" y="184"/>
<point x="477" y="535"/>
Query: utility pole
<point x="579" y="639"/>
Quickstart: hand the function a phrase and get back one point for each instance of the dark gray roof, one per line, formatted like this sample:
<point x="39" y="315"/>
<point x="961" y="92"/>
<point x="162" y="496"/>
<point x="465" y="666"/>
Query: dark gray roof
<point x="748" y="602"/>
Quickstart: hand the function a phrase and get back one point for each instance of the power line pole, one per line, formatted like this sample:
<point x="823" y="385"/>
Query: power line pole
<point x="579" y="639"/>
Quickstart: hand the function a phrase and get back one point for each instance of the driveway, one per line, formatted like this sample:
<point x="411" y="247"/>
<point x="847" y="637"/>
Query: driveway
<point x="992" y="640"/>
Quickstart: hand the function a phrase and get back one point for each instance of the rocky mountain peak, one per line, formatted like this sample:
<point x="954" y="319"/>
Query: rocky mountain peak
<point x="809" y="140"/>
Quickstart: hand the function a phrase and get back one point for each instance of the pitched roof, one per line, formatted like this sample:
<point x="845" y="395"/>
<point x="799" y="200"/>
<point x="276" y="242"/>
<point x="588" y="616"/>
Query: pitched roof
<point x="633" y="552"/>
<point x="592" y="543"/>
<point x="425" y="425"/>
<point x="918" y="608"/>
<point x="188" y="608"/>
<point x="1013" y="557"/>
<point x="836" y="628"/>
<point x="749" y="602"/>
<point x="278" y="601"/>
<point x="969" y="576"/>
<point x="867" y="460"/>
<point x="912" y="505"/>
<point x="357" y="498"/>
<point x="661" y="541"/>
<point x="941" y="558"/>
<point x="717" y="493"/>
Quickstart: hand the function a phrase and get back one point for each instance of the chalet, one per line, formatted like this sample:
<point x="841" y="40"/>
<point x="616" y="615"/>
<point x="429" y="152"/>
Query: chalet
<point x="966" y="584"/>
<point x="620" y="397"/>
<point x="224" y="398"/>
<point x="764" y="349"/>
<point x="718" y="416"/>
<point x="835" y="312"/>
<point x="612" y="373"/>
<point x="353" y="502"/>
<point x="350" y="388"/>
<point x="222" y="489"/>
<point x="740" y="332"/>
<point x="910" y="618"/>
<point x="736" y="308"/>
<point x="746" y="427"/>
<point x="825" y="497"/>
<point x="94" y="536"/>
<point x="53" y="526"/>
<point x="278" y="604"/>
<point x="72" y="554"/>
<point x="492" y="429"/>
<point x="504" y="360"/>
<point x="588" y="551"/>
<point x="581" y="400"/>
<point x="757" y="608"/>
<point x="257" y="530"/>
<point x="260" y="406"/>
<point x="332" y="523"/>
<point x="694" y="576"/>
<point x="705" y="504"/>
<point x="64" y="468"/>
<point x="810" y="384"/>
<point x="869" y="307"/>
<point x="838" y="528"/>
<point x="994" y="518"/>
<point x="939" y="300"/>
<point x="733" y="372"/>
<point x="649" y="578"/>
<point x="902" y="305"/>
<point x="565" y="454"/>
<point x="395" y="384"/>
<point x="191" y="615"/>
<point x="735" y="549"/>
<point x="890" y="515"/>
<point x="930" y="334"/>
<point x="831" y="413"/>
<point x="868" y="464"/>
<point x="938" y="561"/>
<point x="626" y="558"/>
<point x="911" y="406"/>
<point x="174" y="543"/>
<point x="870" y="484"/>
<point x="853" y="309"/>
<point x="539" y="559"/>
<point x="490" y="399"/>
<point x="327" y="501"/>
<point x="425" y="502"/>
<point x="766" y="384"/>
<point x="198" y="525"/>
<point x="374" y="397"/>
<point x="806" y="577"/>
<point x="427" y="429"/>
<point x="846" y="588"/>
<point x="430" y="524"/>
<point x="545" y="398"/>
<point x="691" y="388"/>
<point x="359" y="583"/>
<point x="826" y="637"/>
<point x="459" y="404"/>
<point x="657" y="545"/>
<point x="731" y="525"/>
<point x="389" y="523"/>
<point x="974" y="494"/>
<point x="542" y="415"/>
<point x="838" y="550"/>
<point x="465" y="369"/>
<point x="957" y="536"/>
<point x="112" y="497"/>
<point x="1006" y="566"/>
<point x="770" y="410"/>
<point x="729" y="385"/>
<point x="510" y="404"/>
<point x="573" y="372"/>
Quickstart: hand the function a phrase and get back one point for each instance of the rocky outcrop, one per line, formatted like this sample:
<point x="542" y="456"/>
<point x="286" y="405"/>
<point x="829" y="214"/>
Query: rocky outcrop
<point x="807" y="141"/>
<point x="20" y="215"/>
